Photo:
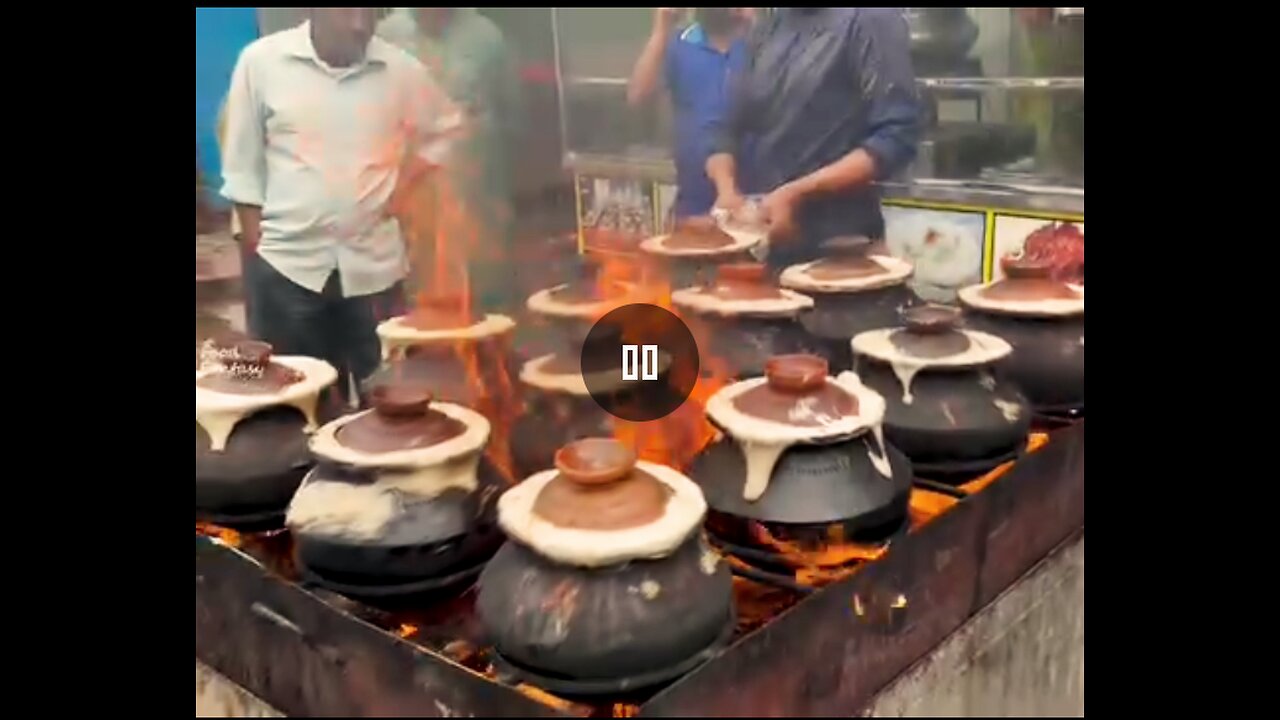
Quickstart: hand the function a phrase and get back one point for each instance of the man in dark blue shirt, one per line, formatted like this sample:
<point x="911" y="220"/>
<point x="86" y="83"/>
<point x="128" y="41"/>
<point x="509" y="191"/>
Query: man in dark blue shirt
<point x="696" y="64"/>
<point x="830" y="102"/>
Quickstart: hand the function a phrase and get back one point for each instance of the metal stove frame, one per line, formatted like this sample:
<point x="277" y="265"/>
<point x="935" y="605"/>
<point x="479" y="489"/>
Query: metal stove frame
<point x="830" y="654"/>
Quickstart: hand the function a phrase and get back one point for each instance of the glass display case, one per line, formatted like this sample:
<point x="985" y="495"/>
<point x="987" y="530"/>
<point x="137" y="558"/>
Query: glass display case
<point x="1002" y="91"/>
<point x="1001" y="158"/>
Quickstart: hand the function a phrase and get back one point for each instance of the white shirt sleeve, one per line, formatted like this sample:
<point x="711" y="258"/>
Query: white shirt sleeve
<point x="244" y="147"/>
<point x="434" y="120"/>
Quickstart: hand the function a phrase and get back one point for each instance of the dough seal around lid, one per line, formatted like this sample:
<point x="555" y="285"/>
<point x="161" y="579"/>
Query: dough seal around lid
<point x="599" y="548"/>
<point x="218" y="413"/>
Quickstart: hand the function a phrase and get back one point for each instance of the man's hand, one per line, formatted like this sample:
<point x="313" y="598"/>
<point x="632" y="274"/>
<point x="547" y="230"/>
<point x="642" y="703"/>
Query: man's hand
<point x="664" y="19"/>
<point x="779" y="209"/>
<point x="730" y="201"/>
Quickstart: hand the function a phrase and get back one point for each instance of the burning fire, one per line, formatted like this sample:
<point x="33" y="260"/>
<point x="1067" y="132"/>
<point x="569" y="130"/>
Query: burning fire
<point x="226" y="536"/>
<point x="443" y="235"/>
<point x="677" y="438"/>
<point x="926" y="505"/>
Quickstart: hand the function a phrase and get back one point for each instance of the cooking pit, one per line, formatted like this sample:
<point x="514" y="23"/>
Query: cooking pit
<point x="822" y="627"/>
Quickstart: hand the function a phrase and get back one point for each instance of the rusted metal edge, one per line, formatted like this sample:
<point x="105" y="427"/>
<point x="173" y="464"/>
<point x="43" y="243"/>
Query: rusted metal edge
<point x="831" y="653"/>
<point x="828" y="655"/>
<point x="307" y="658"/>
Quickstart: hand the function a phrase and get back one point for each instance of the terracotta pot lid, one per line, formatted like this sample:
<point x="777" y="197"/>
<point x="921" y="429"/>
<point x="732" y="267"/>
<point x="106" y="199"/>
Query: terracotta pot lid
<point x="699" y="233"/>
<point x="1028" y="279"/>
<point x="246" y="369"/>
<point x="931" y="331"/>
<point x="402" y="419"/>
<point x="797" y="393"/>
<point x="599" y="488"/>
<point x="441" y="312"/>
<point x="743" y="281"/>
<point x="845" y="258"/>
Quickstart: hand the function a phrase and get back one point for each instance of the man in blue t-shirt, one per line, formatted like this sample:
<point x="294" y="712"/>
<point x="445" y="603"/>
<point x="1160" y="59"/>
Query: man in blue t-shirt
<point x="696" y="63"/>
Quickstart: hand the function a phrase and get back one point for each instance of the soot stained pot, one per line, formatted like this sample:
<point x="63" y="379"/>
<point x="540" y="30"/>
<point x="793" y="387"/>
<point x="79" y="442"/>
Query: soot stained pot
<point x="852" y="292"/>
<point x="745" y="317"/>
<point x="945" y="405"/>
<point x="441" y="346"/>
<point x="1043" y="319"/>
<point x="606" y="583"/>
<point x="698" y="245"/>
<point x="802" y="452"/>
<point x="254" y="414"/>
<point x="401" y="497"/>
<point x="558" y="409"/>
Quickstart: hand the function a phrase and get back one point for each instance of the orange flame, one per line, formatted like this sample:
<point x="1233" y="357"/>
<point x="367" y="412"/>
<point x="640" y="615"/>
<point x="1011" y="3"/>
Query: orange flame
<point x="677" y="438"/>
<point x="226" y="536"/>
<point x="926" y="505"/>
<point x="443" y="236"/>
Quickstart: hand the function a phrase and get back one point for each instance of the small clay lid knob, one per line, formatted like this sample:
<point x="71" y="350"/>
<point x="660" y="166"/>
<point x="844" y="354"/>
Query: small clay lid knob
<point x="1026" y="267"/>
<point x="595" y="461"/>
<point x="742" y="272"/>
<point x="796" y="374"/>
<point x="931" y="319"/>
<point x="847" y="246"/>
<point x="401" y="400"/>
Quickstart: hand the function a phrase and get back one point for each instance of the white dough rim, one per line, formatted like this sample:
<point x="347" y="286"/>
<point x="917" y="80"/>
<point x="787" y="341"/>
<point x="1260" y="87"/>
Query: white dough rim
<point x="694" y="299"/>
<point x="896" y="272"/>
<point x="972" y="296"/>
<point x="316" y="376"/>
<point x="532" y="374"/>
<point x="750" y="429"/>
<point x="396" y="331"/>
<point x="325" y="443"/>
<point x="983" y="348"/>
<point x="541" y="302"/>
<point x="597" y="548"/>
<point x="742" y="240"/>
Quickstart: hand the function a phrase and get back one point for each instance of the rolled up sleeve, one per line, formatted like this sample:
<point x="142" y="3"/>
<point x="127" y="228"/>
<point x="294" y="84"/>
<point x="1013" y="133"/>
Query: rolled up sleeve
<point x="880" y="47"/>
<point x="434" y="120"/>
<point x="244" y="145"/>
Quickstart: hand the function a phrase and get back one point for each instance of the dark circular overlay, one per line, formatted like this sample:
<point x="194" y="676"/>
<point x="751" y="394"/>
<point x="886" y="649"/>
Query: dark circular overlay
<point x="640" y="362"/>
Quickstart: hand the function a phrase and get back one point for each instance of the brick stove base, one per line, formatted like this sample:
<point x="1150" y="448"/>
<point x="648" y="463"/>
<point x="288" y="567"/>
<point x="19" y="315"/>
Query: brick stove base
<point x="1023" y="654"/>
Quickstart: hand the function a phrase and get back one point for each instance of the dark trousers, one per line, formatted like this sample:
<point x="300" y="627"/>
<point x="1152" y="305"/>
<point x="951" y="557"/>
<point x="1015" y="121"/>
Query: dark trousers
<point x="326" y="325"/>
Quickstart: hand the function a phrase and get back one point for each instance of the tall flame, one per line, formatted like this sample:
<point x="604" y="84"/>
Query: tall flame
<point x="677" y="438"/>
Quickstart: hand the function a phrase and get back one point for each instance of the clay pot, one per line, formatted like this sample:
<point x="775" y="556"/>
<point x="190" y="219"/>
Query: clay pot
<point x="444" y="370"/>
<point x="745" y="340"/>
<point x="613" y="628"/>
<point x="249" y="482"/>
<point x="1047" y="363"/>
<point x="433" y="541"/>
<point x="816" y="483"/>
<point x="953" y="419"/>
<point x="838" y="316"/>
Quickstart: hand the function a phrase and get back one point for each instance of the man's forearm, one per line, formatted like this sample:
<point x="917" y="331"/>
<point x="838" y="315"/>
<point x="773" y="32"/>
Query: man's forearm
<point x="250" y="217"/>
<point x="854" y="170"/>
<point x="722" y="170"/>
<point x="644" y="76"/>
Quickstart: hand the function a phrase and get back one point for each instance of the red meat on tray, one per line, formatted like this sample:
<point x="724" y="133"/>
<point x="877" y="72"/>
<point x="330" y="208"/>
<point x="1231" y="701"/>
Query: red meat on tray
<point x="1062" y="244"/>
